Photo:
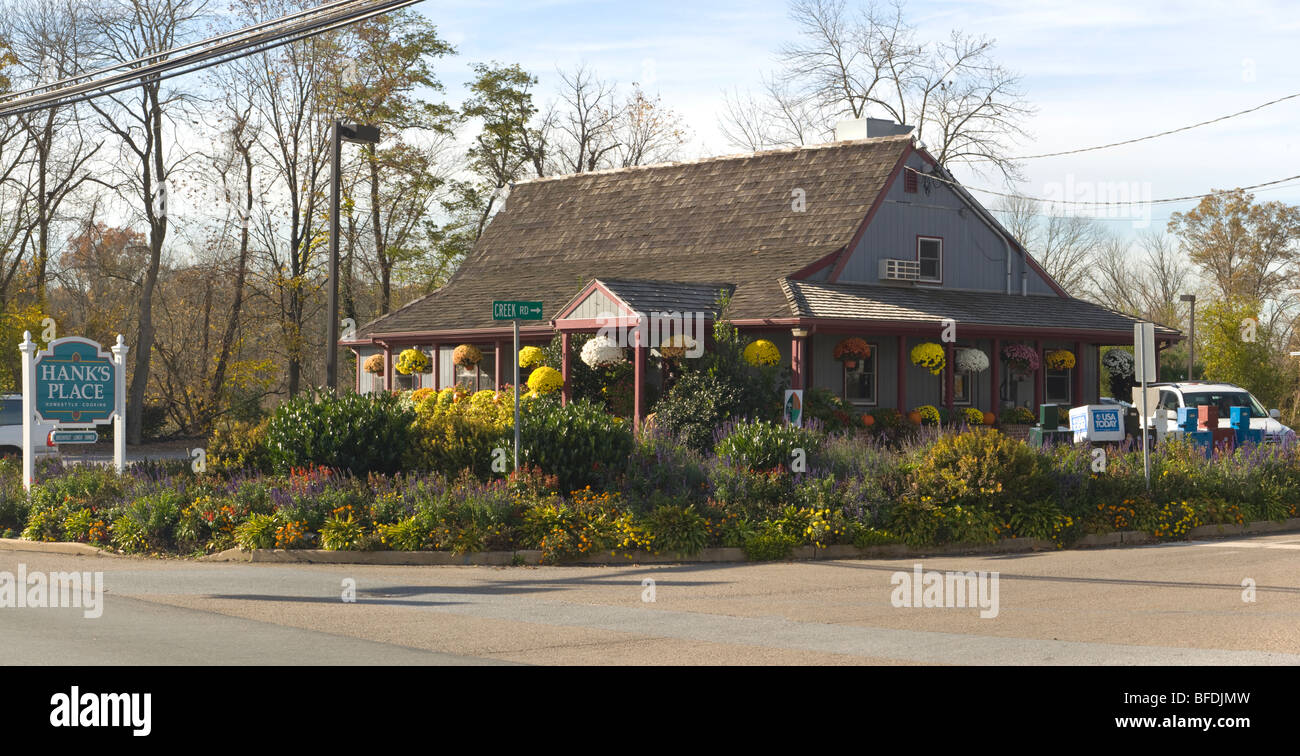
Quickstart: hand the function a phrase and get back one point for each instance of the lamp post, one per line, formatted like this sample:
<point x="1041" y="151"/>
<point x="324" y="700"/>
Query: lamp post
<point x="1191" y="339"/>
<point x="357" y="134"/>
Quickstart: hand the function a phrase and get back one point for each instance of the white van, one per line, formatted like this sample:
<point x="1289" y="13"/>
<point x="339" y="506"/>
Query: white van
<point x="1224" y="396"/>
<point x="11" y="429"/>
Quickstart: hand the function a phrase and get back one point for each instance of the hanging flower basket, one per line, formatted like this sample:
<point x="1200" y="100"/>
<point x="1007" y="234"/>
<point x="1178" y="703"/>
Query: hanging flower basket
<point x="675" y="347"/>
<point x="850" y="350"/>
<point x="929" y="356"/>
<point x="1118" y="363"/>
<point x="762" y="352"/>
<point x="375" y="364"/>
<point x="466" y="356"/>
<point x="531" y="356"/>
<point x="971" y="361"/>
<point x="1021" y="358"/>
<point x="412" y="361"/>
<point x="1059" y="359"/>
<point x="601" y="351"/>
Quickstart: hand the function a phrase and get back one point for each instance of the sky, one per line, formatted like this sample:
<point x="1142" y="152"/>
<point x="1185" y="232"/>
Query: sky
<point x="1096" y="72"/>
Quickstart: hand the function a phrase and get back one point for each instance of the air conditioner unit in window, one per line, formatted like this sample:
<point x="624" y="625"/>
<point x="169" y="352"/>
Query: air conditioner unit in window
<point x="899" y="270"/>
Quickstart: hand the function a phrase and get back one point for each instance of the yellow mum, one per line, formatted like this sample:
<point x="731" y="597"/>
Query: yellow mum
<point x="544" y="380"/>
<point x="412" y="361"/>
<point x="530" y="356"/>
<point x="1059" y="359"/>
<point x="930" y="356"/>
<point x="762" y="352"/>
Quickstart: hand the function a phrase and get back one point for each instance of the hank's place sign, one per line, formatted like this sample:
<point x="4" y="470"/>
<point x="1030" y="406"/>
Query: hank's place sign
<point x="75" y="382"/>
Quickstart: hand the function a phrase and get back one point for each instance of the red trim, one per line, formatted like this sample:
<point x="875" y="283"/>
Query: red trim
<point x="581" y="296"/>
<point x="496" y="367"/>
<point x="595" y="324"/>
<point x="1039" y="376"/>
<point x="437" y="372"/>
<point x="901" y="370"/>
<point x="638" y="381"/>
<point x="939" y="239"/>
<point x="875" y="206"/>
<point x="948" y="373"/>
<point x="817" y="265"/>
<point x="1077" y="393"/>
<point x="995" y="392"/>
<point x="565" y="392"/>
<point x="797" y="360"/>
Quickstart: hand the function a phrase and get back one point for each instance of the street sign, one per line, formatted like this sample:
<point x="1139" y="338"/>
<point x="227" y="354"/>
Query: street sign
<point x="1144" y="348"/>
<point x="75" y="437"/>
<point x="511" y="310"/>
<point x="75" y="382"/>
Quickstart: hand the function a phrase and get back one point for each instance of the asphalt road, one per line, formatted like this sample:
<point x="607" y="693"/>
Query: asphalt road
<point x="1170" y="604"/>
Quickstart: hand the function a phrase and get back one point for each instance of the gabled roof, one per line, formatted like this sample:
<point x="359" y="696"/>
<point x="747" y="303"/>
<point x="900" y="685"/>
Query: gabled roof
<point x="729" y="219"/>
<point x="817" y="299"/>
<point x="649" y="296"/>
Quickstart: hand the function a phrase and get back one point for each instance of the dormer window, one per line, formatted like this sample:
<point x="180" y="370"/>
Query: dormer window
<point x="929" y="253"/>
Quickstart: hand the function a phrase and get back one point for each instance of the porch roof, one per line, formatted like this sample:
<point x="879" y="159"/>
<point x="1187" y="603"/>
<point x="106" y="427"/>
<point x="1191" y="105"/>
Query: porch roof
<point x="817" y="299"/>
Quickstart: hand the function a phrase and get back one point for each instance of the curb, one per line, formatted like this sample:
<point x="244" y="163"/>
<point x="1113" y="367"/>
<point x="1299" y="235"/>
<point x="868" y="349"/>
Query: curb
<point x="55" y="547"/>
<point x="712" y="555"/>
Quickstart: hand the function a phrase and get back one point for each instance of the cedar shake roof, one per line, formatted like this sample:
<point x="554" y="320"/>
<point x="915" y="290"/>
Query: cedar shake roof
<point x="727" y="219"/>
<point x="902" y="303"/>
<point x="667" y="296"/>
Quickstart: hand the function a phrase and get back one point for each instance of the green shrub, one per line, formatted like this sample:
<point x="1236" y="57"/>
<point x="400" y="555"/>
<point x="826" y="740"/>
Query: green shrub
<point x="579" y="443"/>
<point x="257" y="532"/>
<point x="408" y="534"/>
<point x="341" y="534"/>
<point x="449" y="442"/>
<point x="676" y="530"/>
<point x="828" y="409"/>
<point x="768" y="542"/>
<point x="129" y="534"/>
<point x="982" y="469"/>
<point x="762" y="445"/>
<point x="44" y="524"/>
<point x="239" y="445"/>
<point x="1017" y="416"/>
<point x="360" y="433"/>
<point x="695" y="406"/>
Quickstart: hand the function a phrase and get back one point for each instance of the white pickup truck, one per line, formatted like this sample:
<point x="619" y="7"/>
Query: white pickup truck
<point x="1224" y="396"/>
<point x="11" y="429"/>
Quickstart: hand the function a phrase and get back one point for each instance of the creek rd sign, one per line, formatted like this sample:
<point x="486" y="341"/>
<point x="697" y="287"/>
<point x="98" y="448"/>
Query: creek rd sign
<point x="76" y="383"/>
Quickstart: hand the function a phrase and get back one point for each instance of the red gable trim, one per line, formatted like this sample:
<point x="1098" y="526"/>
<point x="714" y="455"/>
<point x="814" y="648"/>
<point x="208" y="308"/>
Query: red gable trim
<point x="875" y="205"/>
<point x="593" y="285"/>
<point x="817" y="265"/>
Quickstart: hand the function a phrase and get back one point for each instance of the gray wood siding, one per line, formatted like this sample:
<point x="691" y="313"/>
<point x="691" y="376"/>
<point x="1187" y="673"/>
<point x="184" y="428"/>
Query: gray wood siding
<point x="974" y="255"/>
<point x="596" y="305"/>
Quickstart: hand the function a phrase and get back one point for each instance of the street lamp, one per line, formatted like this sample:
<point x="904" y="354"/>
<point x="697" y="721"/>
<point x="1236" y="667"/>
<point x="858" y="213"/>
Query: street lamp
<point x="357" y="134"/>
<point x="1191" y="339"/>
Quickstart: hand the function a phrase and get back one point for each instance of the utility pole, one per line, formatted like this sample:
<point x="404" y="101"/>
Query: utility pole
<point x="1191" y="338"/>
<point x="357" y="134"/>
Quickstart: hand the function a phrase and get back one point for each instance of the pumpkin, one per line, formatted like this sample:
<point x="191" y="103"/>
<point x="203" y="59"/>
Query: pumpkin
<point x="868" y="421"/>
<point x="914" y="417"/>
<point x="990" y="418"/>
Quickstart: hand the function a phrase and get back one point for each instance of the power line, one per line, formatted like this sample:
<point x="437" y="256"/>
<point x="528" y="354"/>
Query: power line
<point x="1163" y="200"/>
<point x="1145" y="138"/>
<point x="339" y="15"/>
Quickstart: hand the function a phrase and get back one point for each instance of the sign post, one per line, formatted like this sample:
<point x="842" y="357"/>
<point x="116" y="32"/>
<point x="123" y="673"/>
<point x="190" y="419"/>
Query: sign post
<point x="1144" y="343"/>
<point x="516" y="311"/>
<point x="28" y="349"/>
<point x="76" y="385"/>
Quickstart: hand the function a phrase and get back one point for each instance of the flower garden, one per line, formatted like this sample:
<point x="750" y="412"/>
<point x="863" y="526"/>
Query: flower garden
<point x="429" y="470"/>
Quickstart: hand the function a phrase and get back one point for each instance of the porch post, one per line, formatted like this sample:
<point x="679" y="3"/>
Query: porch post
<point x="1038" y="377"/>
<point x="995" y="364"/>
<point x="437" y="372"/>
<point x="638" y="387"/>
<point x="948" y="372"/>
<point x="1077" y="382"/>
<point x="565" y="393"/>
<point x="496" y="373"/>
<point x="798" y="358"/>
<point x="901" y="369"/>
<point x="388" y="368"/>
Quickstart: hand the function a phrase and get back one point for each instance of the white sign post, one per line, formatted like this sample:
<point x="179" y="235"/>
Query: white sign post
<point x="28" y="350"/>
<point x="119" y="351"/>
<point x="1144" y="343"/>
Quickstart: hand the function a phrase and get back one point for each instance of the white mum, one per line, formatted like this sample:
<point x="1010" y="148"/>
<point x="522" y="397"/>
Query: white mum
<point x="601" y="351"/>
<point x="971" y="361"/>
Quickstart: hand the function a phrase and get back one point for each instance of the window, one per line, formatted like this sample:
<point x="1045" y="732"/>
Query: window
<point x="1057" y="388"/>
<point x="860" y="380"/>
<point x="11" y="411"/>
<point x="929" y="252"/>
<point x="963" y="388"/>
<point x="482" y="377"/>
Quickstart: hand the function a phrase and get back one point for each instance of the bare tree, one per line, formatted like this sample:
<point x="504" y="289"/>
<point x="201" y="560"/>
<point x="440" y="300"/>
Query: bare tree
<point x="144" y="124"/>
<point x="1142" y="276"/>
<point x="48" y="46"/>
<point x="1065" y="245"/>
<point x="963" y="104"/>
